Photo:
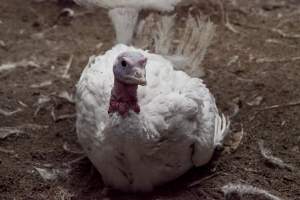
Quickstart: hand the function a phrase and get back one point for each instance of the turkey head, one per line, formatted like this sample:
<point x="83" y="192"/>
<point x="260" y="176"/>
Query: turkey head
<point x="129" y="72"/>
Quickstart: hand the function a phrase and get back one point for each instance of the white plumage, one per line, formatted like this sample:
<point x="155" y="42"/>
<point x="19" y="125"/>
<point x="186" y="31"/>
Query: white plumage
<point x="177" y="128"/>
<point x="165" y="5"/>
<point x="124" y="13"/>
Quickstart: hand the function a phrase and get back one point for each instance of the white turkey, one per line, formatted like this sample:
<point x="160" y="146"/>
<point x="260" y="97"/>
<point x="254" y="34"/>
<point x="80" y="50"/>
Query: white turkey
<point x="124" y="13"/>
<point x="141" y="137"/>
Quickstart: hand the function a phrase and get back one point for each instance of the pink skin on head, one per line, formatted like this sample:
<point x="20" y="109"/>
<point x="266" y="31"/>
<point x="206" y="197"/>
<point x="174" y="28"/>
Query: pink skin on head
<point x="129" y="72"/>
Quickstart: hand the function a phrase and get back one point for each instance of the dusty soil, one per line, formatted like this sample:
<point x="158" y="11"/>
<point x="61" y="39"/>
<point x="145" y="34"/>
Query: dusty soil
<point x="253" y="60"/>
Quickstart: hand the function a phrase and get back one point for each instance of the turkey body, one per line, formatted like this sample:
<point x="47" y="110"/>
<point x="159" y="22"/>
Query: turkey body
<point x="177" y="128"/>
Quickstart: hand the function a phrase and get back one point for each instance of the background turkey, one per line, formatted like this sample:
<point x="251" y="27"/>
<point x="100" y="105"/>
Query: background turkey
<point x="124" y="13"/>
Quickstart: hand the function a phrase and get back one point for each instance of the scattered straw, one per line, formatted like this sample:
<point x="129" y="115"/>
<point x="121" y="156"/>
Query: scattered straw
<point x="256" y="101"/>
<point x="234" y="141"/>
<point x="42" y="84"/>
<point x="232" y="60"/>
<point x="50" y="174"/>
<point x="23" y="104"/>
<point x="275" y="41"/>
<point x="68" y="149"/>
<point x="79" y="159"/>
<point x="10" y="113"/>
<point x="13" y="65"/>
<point x="67" y="96"/>
<point x="236" y="105"/>
<point x="61" y="117"/>
<point x="8" y="151"/>
<point x="67" y="12"/>
<point x="63" y="194"/>
<point x="199" y="182"/>
<point x="99" y="45"/>
<point x="8" y="131"/>
<point x="33" y="126"/>
<point x="241" y="189"/>
<point x="67" y="67"/>
<point x="229" y="26"/>
<point x="41" y="102"/>
<point x="42" y="99"/>
<point x="46" y="174"/>
<point x="66" y="116"/>
<point x="272" y="60"/>
<point x="2" y="44"/>
<point x="285" y="35"/>
<point x="269" y="158"/>
<point x="291" y="104"/>
<point x="41" y="35"/>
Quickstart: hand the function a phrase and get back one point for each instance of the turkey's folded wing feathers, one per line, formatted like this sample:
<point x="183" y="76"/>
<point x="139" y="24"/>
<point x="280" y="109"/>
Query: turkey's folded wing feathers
<point x="183" y="105"/>
<point x="92" y="96"/>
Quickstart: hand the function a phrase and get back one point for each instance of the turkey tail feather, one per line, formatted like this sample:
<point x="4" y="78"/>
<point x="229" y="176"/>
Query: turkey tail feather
<point x="221" y="129"/>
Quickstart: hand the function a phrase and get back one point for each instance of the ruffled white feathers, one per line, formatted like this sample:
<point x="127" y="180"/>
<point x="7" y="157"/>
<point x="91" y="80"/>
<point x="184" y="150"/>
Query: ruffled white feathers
<point x="178" y="126"/>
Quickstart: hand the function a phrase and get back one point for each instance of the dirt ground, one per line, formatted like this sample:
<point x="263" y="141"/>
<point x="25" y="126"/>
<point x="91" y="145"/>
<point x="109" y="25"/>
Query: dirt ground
<point x="253" y="63"/>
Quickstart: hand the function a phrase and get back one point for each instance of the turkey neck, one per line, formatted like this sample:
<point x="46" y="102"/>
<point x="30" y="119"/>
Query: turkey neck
<point x="123" y="92"/>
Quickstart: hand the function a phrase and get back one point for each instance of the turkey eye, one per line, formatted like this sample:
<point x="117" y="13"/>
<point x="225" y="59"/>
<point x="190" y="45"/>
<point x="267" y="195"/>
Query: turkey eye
<point x="124" y="63"/>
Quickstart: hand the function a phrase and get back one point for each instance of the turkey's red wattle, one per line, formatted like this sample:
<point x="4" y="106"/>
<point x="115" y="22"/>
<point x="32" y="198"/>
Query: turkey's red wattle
<point x="123" y="98"/>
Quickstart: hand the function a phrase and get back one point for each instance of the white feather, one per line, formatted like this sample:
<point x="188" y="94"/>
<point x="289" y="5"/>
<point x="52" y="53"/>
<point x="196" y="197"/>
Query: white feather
<point x="165" y="5"/>
<point x="124" y="21"/>
<point x="124" y="13"/>
<point x="178" y="126"/>
<point x="191" y="45"/>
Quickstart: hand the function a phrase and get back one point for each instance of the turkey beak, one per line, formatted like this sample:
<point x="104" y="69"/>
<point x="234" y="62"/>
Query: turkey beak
<point x="140" y="75"/>
<point x="143" y="82"/>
